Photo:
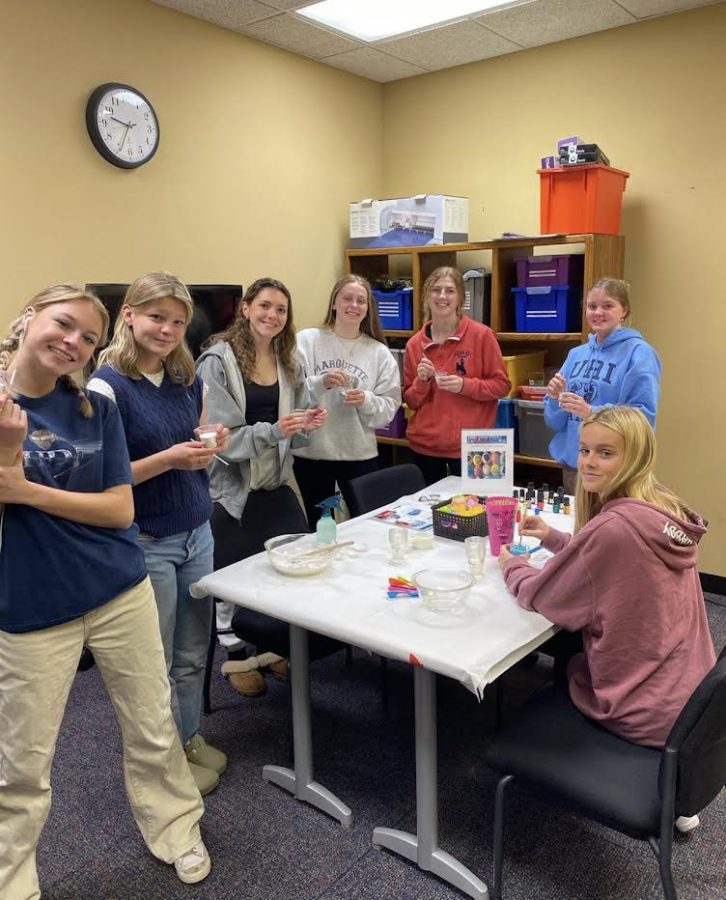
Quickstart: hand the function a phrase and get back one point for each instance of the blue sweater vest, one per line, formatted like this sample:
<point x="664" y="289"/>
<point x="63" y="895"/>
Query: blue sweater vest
<point x="156" y="418"/>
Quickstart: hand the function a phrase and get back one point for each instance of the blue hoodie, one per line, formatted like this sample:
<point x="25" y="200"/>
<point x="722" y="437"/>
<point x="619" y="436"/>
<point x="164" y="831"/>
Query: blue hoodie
<point x="623" y="370"/>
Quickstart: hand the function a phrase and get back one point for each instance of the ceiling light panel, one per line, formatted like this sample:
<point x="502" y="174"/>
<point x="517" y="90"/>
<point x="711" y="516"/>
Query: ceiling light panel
<point x="378" y="19"/>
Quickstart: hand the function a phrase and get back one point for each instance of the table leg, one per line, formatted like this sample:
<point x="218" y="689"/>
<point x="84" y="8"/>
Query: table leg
<point x="299" y="781"/>
<point x="422" y="848"/>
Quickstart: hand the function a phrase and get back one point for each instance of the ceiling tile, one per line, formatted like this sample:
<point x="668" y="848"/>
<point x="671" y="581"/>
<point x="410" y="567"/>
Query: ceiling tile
<point x="373" y="64"/>
<point x="645" y="9"/>
<point x="450" y="45"/>
<point x="547" y="21"/>
<point x="287" y="5"/>
<point x="288" y="31"/>
<point x="227" y="13"/>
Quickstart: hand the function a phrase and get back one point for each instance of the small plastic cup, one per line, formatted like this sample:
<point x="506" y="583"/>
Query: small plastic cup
<point x="500" y="519"/>
<point x="397" y="541"/>
<point x="208" y="437"/>
<point x="475" y="549"/>
<point x="439" y="375"/>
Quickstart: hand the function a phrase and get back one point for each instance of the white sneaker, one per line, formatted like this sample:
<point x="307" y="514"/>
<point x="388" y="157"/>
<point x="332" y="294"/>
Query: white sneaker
<point x="194" y="865"/>
<point x="687" y="823"/>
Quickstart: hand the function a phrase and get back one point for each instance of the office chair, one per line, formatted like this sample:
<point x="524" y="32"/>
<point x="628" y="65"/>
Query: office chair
<point x="368" y="492"/>
<point x="552" y="749"/>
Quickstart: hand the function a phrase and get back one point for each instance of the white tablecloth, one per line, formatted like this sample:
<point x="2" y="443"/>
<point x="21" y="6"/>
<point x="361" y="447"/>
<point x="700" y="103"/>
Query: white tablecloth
<point x="349" y="602"/>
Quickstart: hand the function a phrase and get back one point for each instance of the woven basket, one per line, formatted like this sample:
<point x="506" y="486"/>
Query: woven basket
<point x="459" y="528"/>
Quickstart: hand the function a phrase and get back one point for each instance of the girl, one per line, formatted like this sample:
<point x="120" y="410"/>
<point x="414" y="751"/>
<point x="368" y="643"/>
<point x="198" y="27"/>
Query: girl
<point x="453" y="376"/>
<point x="257" y="387"/>
<point x="148" y="371"/>
<point x="352" y="374"/>
<point x="72" y="574"/>
<point x="628" y="579"/>
<point x="615" y="366"/>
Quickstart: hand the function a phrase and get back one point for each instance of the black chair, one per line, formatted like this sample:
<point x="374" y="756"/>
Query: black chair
<point x="375" y="489"/>
<point x="552" y="749"/>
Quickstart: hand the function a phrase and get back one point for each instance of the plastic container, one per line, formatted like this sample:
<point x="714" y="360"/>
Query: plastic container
<point x="443" y="590"/>
<point x="507" y="418"/>
<point x="395" y="308"/>
<point x="521" y="365"/>
<point x="534" y="435"/>
<point x="545" y="271"/>
<point x="581" y="199"/>
<point x="396" y="428"/>
<point x="477" y="295"/>
<point x="550" y="309"/>
<point x="532" y="391"/>
<point x="501" y="512"/>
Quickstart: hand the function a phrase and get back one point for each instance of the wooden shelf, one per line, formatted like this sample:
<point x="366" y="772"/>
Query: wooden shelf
<point x="533" y="337"/>
<point x="395" y="442"/>
<point x="537" y="461"/>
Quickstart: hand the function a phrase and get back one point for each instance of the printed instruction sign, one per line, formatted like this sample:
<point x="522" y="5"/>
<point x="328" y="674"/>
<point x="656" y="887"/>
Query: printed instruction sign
<point x="487" y="460"/>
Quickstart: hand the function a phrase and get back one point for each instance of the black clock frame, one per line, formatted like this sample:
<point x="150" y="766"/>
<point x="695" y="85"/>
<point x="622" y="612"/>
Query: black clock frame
<point x="95" y="134"/>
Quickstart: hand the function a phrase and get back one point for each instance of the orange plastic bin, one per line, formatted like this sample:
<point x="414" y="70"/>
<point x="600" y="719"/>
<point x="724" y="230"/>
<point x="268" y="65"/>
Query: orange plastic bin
<point x="581" y="199"/>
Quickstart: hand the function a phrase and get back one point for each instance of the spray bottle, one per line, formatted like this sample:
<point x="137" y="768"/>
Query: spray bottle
<point x="326" y="528"/>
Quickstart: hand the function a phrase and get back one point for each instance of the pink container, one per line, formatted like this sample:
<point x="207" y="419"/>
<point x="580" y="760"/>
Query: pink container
<point x="501" y="512"/>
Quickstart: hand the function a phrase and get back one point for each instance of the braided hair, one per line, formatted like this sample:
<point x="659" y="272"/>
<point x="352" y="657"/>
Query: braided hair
<point x="57" y="293"/>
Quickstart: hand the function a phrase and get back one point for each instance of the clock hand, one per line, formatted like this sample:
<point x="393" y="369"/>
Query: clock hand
<point x="127" y="124"/>
<point x="123" y="139"/>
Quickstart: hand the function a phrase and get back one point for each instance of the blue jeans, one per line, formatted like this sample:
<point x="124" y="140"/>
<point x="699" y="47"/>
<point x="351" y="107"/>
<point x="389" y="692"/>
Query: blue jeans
<point x="174" y="563"/>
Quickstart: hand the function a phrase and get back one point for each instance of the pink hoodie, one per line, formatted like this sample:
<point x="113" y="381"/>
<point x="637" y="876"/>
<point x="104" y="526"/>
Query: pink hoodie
<point x="629" y="580"/>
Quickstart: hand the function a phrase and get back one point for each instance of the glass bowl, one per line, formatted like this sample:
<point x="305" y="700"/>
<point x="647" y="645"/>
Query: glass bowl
<point x="443" y="590"/>
<point x="287" y="554"/>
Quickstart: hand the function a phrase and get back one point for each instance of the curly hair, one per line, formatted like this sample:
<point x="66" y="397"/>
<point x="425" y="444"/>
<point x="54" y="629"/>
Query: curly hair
<point x="57" y="293"/>
<point x="123" y="352"/>
<point x="371" y="324"/>
<point x="239" y="334"/>
<point x="636" y="477"/>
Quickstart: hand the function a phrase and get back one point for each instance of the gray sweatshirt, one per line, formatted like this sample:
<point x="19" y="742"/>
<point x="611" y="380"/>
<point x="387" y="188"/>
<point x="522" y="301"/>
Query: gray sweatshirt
<point x="226" y="403"/>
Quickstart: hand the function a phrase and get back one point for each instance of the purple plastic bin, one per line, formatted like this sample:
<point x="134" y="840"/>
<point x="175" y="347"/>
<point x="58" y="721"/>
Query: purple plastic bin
<point x="545" y="271"/>
<point x="396" y="428"/>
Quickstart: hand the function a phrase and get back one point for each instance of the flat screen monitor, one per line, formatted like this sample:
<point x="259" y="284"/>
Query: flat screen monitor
<point x="215" y="306"/>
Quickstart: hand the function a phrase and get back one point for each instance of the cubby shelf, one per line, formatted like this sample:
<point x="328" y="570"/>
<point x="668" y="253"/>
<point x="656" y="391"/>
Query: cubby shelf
<point x="604" y="257"/>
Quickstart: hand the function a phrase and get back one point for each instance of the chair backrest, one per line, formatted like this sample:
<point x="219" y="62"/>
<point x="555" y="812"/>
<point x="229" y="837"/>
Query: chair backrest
<point x="384" y="486"/>
<point x="699" y="736"/>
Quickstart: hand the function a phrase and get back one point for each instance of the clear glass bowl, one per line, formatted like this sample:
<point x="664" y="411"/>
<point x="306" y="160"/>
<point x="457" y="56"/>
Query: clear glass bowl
<point x="443" y="590"/>
<point x="287" y="554"/>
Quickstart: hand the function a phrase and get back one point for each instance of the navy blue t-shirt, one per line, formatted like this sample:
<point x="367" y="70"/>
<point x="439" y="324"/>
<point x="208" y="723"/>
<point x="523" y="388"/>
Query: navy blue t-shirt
<point x="53" y="570"/>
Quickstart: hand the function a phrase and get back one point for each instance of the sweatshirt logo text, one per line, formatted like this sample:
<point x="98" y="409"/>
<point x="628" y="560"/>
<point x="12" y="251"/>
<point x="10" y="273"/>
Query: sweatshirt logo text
<point x="680" y="537"/>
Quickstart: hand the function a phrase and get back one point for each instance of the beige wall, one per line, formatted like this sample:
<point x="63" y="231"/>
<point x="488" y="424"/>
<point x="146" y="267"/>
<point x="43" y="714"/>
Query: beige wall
<point x="260" y="152"/>
<point x="652" y="96"/>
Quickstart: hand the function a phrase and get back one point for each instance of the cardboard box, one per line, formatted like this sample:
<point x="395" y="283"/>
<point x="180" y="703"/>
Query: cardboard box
<point x="409" y="221"/>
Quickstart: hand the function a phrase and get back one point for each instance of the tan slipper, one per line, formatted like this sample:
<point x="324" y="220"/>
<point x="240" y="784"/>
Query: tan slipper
<point x="244" y="676"/>
<point x="276" y="665"/>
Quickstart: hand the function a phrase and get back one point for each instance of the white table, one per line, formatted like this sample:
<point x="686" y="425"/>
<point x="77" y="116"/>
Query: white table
<point x="349" y="602"/>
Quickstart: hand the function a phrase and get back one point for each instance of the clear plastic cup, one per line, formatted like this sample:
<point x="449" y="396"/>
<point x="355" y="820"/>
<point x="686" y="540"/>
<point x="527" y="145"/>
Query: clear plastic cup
<point x="208" y="436"/>
<point x="397" y="541"/>
<point x="475" y="549"/>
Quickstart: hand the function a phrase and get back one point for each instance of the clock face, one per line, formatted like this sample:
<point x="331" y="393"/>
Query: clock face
<point x="122" y="125"/>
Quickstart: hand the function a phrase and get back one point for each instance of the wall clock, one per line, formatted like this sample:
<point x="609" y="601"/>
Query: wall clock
<point x="122" y="125"/>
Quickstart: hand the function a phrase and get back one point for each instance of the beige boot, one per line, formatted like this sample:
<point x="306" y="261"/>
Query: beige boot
<point x="244" y="676"/>
<point x="205" y="779"/>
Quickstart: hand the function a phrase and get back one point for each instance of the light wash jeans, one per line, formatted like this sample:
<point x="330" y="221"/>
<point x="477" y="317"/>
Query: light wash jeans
<point x="174" y="563"/>
<point x="37" y="669"/>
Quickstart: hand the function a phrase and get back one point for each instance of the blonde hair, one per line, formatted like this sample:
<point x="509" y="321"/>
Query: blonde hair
<point x="615" y="288"/>
<point x="239" y="334"/>
<point x="371" y="324"/>
<point x="57" y="293"/>
<point x="636" y="477"/>
<point x="123" y="352"/>
<point x="444" y="272"/>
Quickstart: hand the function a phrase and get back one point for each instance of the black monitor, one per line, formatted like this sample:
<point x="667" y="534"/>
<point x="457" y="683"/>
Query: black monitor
<point x="215" y="306"/>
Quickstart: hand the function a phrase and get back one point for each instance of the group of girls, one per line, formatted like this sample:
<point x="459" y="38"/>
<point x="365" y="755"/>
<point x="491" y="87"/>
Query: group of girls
<point x="140" y="533"/>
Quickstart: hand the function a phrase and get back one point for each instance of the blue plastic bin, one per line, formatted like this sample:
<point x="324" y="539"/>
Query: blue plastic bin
<point x="507" y="418"/>
<point x="555" y="308"/>
<point x="395" y="308"/>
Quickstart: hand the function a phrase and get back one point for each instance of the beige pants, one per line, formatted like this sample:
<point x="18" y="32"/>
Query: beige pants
<point x="36" y="672"/>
